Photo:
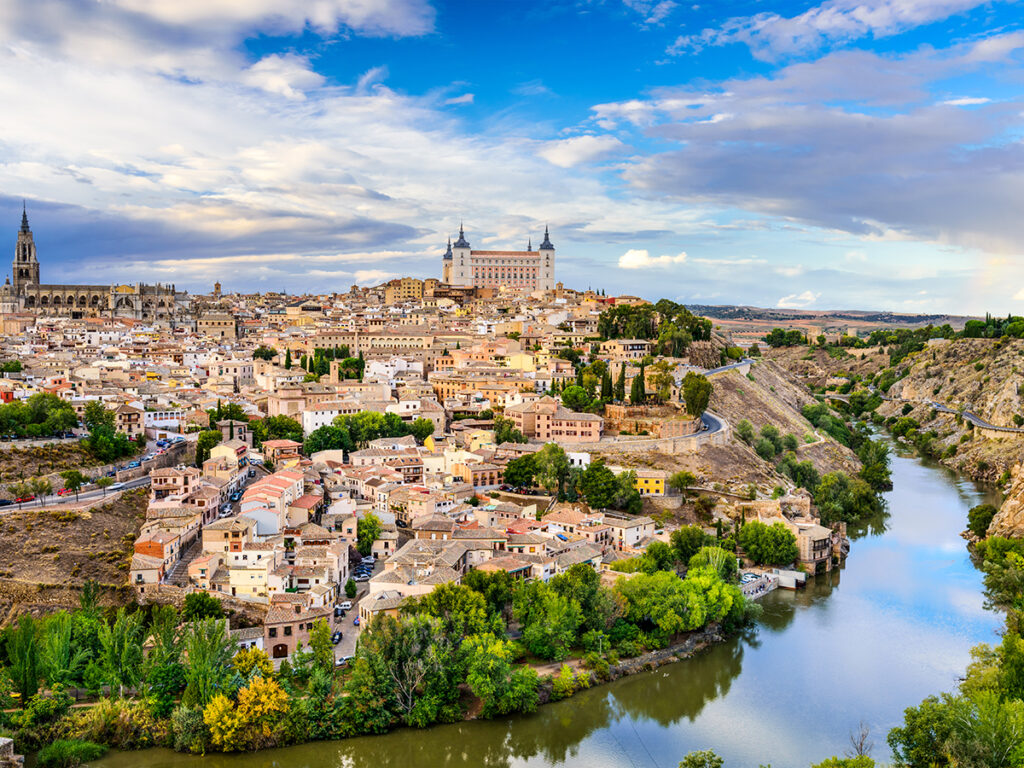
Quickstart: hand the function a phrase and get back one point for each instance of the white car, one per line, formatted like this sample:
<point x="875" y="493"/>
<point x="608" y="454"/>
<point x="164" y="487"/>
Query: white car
<point x="116" y="487"/>
<point x="346" y="606"/>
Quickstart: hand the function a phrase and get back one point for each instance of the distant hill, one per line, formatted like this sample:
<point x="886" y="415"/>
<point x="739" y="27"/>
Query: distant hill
<point x="733" y="312"/>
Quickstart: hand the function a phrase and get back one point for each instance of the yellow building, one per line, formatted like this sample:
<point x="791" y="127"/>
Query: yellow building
<point x="651" y="482"/>
<point x="403" y="289"/>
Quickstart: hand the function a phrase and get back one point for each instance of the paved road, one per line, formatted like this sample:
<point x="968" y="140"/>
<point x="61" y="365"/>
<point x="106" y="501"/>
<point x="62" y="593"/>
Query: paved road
<point x="731" y="366"/>
<point x="969" y="416"/>
<point x="90" y="495"/>
<point x="38" y="442"/>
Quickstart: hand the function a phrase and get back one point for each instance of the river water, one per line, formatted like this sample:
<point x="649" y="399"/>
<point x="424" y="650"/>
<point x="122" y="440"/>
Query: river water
<point x="861" y="644"/>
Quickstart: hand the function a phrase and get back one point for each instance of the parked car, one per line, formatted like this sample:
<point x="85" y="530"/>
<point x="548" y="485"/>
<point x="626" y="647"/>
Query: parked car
<point x="345" y="606"/>
<point x="358" y="576"/>
<point x="336" y="638"/>
<point x="134" y="464"/>
<point x="236" y="496"/>
<point x="356" y="621"/>
<point x="5" y="502"/>
<point x="252" y="473"/>
<point x="23" y="499"/>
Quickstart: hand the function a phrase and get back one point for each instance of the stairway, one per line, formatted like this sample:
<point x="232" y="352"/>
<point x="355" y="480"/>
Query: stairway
<point x="178" y="575"/>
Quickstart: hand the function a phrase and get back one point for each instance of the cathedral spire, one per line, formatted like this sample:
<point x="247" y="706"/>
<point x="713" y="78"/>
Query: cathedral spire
<point x="24" y="217"/>
<point x="546" y="245"/>
<point x="529" y="244"/>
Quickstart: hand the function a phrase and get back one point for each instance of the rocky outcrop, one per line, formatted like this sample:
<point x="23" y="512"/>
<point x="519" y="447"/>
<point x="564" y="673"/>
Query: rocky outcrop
<point x="1009" y="520"/>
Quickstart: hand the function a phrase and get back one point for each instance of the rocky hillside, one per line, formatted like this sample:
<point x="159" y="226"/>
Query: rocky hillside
<point x="767" y="396"/>
<point x="46" y="556"/>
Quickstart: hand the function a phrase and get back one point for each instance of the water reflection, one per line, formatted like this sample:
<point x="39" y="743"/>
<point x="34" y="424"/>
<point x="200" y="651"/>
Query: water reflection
<point x="860" y="643"/>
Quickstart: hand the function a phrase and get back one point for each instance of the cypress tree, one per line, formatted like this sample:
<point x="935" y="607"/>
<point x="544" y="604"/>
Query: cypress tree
<point x="620" y="384"/>
<point x="638" y="392"/>
<point x="606" y="386"/>
<point x="288" y="360"/>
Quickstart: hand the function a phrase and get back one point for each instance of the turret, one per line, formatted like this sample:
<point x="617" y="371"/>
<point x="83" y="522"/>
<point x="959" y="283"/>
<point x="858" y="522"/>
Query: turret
<point x="546" y="272"/>
<point x="461" y="270"/>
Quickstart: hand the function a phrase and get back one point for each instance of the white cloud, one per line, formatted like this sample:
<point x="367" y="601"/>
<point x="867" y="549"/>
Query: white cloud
<point x="967" y="101"/>
<point x="287" y="75"/>
<point x="466" y="98"/>
<point x="642" y="259"/>
<point x="566" y="153"/>
<point x="798" y="300"/>
<point x="384" y="17"/>
<point x="770" y="35"/>
<point x="793" y="271"/>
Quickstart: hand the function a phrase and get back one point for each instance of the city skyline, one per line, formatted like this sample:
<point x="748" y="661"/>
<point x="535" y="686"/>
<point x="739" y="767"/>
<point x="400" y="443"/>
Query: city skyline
<point x="836" y="155"/>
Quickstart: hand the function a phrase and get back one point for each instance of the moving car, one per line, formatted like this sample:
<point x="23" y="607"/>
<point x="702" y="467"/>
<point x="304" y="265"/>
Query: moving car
<point x="116" y="486"/>
<point x="336" y="638"/>
<point x="345" y="606"/>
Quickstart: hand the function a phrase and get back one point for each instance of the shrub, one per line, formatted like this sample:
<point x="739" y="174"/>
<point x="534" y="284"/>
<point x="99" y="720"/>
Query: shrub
<point x="597" y="664"/>
<point x="68" y="753"/>
<point x="189" y="732"/>
<point x="979" y="518"/>
<point x="564" y="684"/>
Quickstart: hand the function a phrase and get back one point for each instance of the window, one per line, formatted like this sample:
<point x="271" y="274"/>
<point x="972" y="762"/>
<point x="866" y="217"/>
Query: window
<point x="287" y="631"/>
<point x="273" y="632"/>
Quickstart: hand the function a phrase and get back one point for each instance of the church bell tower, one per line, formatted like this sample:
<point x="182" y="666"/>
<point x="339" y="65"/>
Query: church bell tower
<point x="26" y="265"/>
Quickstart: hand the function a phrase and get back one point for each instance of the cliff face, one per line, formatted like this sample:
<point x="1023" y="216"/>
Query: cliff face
<point x="1009" y="521"/>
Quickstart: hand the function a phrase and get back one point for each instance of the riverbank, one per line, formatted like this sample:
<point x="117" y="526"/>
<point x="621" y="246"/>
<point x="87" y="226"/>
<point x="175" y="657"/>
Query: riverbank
<point x="821" y="661"/>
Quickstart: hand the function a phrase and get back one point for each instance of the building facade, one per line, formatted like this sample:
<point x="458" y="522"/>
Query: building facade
<point x="527" y="270"/>
<point x="149" y="303"/>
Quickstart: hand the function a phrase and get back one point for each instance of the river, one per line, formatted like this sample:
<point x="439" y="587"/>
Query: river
<point x="861" y="644"/>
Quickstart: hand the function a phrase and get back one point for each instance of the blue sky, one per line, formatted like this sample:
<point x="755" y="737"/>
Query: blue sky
<point x="846" y="154"/>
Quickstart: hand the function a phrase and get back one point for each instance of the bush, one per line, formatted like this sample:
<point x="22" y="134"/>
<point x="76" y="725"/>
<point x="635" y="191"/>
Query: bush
<point x="189" y="732"/>
<point x="765" y="448"/>
<point x="597" y="664"/>
<point x="68" y="753"/>
<point x="979" y="518"/>
<point x="564" y="684"/>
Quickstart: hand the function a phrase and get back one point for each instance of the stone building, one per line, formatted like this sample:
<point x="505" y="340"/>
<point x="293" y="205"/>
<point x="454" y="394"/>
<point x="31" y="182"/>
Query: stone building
<point x="149" y="303"/>
<point x="527" y="270"/>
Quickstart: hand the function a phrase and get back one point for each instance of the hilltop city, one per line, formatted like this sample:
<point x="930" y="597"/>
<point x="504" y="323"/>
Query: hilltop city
<point x="579" y="485"/>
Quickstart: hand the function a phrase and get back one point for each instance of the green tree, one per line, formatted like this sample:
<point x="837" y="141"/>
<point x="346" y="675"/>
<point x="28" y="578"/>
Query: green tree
<point x="638" y="389"/>
<point x="121" y="649"/>
<point x="501" y="688"/>
<point x="73" y="480"/>
<point x="552" y="468"/>
<point x="771" y="544"/>
<point x="209" y="649"/>
<point x="619" y="391"/>
<point x="599" y="485"/>
<point x="520" y="472"/>
<point x="703" y="759"/>
<point x="40" y="488"/>
<point x="462" y="611"/>
<point x="206" y="441"/>
<point x="575" y="398"/>
<point x="421" y="429"/>
<point x="22" y="646"/>
<point x="104" y="483"/>
<point x="549" y="621"/>
<point x="682" y="481"/>
<point x="320" y="644"/>
<point x="368" y="528"/>
<point x="745" y="431"/>
<point x="350" y="589"/>
<point x="97" y="415"/>
<point x="979" y="518"/>
<point x="495" y="586"/>
<point x="264" y="353"/>
<point x="696" y="394"/>
<point x="687" y="541"/>
<point x="201" y="605"/>
<point x="288" y="359"/>
<point x="61" y="659"/>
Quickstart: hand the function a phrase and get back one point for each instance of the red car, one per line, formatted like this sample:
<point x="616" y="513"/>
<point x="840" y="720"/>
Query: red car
<point x="64" y="492"/>
<point x="26" y="498"/>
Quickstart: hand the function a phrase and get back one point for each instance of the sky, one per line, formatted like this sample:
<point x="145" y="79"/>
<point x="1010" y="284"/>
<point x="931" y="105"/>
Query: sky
<point x="847" y="154"/>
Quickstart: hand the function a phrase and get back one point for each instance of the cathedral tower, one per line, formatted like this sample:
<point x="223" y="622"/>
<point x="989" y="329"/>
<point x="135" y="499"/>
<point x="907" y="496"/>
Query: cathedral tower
<point x="26" y="265"/>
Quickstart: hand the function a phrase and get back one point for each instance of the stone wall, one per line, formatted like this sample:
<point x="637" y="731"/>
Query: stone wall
<point x="693" y="643"/>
